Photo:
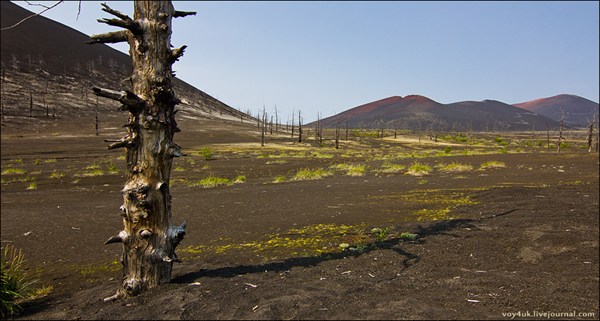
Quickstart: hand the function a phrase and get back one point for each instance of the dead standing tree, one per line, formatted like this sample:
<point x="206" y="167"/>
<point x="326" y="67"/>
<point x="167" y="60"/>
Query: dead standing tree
<point x="149" y="239"/>
<point x="560" y="132"/>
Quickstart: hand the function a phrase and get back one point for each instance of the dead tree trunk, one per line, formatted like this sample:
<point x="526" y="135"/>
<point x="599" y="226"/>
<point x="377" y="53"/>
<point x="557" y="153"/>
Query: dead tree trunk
<point x="590" y="136"/>
<point x="560" y="132"/>
<point x="293" y="114"/>
<point x="337" y="135"/>
<point x="299" y="128"/>
<point x="148" y="237"/>
<point x="263" y="130"/>
<point x="346" y="129"/>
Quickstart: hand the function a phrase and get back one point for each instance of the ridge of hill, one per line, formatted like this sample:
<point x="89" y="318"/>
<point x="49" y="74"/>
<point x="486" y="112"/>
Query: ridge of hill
<point x="418" y="112"/>
<point x="579" y="111"/>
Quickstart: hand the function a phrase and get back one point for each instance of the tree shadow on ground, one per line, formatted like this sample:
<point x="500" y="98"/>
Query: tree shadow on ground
<point x="394" y="244"/>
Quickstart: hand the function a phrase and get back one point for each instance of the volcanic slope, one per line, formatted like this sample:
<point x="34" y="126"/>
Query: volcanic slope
<point x="48" y="72"/>
<point x="578" y="110"/>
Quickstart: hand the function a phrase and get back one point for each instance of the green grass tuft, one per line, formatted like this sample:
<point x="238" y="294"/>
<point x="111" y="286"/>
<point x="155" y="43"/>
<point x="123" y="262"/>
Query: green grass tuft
<point x="13" y="171"/>
<point x="492" y="164"/>
<point x="307" y="174"/>
<point x="212" y="181"/>
<point x="454" y="168"/>
<point x="418" y="169"/>
<point x="351" y="169"/>
<point x="16" y="284"/>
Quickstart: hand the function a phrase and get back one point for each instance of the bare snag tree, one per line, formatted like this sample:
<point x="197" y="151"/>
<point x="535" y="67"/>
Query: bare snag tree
<point x="149" y="239"/>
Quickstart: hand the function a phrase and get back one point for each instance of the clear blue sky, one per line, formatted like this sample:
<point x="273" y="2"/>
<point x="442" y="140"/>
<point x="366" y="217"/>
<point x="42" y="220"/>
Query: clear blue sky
<point x="331" y="56"/>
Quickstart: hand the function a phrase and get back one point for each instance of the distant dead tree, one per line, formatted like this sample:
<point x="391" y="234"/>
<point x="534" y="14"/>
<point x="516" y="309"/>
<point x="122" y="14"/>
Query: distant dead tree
<point x="263" y="129"/>
<point x="560" y="131"/>
<point x="590" y="136"/>
<point x="337" y="134"/>
<point x="149" y="239"/>
<point x="276" y="119"/>
<point x="346" y="129"/>
<point x="319" y="130"/>
<point x="299" y="127"/>
<point x="293" y="114"/>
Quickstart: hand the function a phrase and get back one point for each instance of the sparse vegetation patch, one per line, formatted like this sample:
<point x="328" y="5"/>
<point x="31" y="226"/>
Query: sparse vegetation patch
<point x="351" y="169"/>
<point x="492" y="164"/>
<point x="308" y="174"/>
<point x="418" y="169"/>
<point x="454" y="168"/>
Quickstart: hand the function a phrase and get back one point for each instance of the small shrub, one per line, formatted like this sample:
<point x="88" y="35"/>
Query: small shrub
<point x="279" y="179"/>
<point x="492" y="164"/>
<point x="32" y="185"/>
<point x="308" y="174"/>
<point x="207" y="153"/>
<point x="455" y="168"/>
<point x="212" y="181"/>
<point x="351" y="170"/>
<point x="15" y="284"/>
<point x="57" y="174"/>
<point x="501" y="141"/>
<point x="448" y="150"/>
<point x="380" y="233"/>
<point x="112" y="168"/>
<point x="389" y="168"/>
<point x="418" y="169"/>
<point x="240" y="179"/>
<point x="408" y="236"/>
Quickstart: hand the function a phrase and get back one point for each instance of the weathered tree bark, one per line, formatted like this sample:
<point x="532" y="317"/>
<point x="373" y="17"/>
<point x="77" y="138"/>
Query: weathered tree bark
<point x="149" y="239"/>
